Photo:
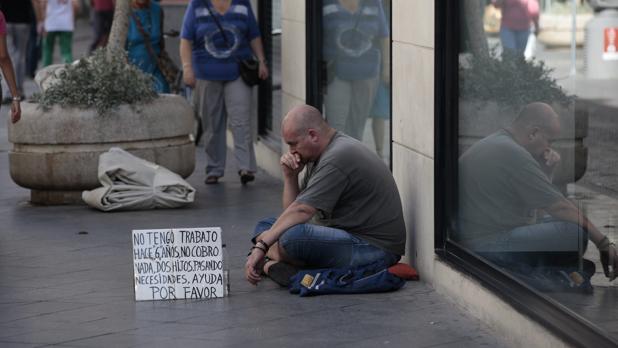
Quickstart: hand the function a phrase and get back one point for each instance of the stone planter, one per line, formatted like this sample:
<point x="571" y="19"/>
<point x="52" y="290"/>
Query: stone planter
<point x="556" y="29"/>
<point x="479" y="119"/>
<point x="55" y="153"/>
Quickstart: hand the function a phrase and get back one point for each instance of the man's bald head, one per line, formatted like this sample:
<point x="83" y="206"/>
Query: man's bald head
<point x="302" y="118"/>
<point x="536" y="126"/>
<point x="536" y="115"/>
<point x="306" y="132"/>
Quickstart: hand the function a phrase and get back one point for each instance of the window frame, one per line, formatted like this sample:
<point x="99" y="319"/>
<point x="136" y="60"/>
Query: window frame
<point x="265" y="88"/>
<point x="566" y="324"/>
<point x="315" y="73"/>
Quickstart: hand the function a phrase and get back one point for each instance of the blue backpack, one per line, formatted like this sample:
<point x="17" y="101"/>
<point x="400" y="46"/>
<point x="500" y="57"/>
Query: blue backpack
<point x="374" y="277"/>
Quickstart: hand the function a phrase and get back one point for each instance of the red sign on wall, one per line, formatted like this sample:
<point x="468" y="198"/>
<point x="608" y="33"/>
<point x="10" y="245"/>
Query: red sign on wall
<point x="610" y="44"/>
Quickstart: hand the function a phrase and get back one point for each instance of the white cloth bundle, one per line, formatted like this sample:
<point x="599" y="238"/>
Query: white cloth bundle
<point x="131" y="183"/>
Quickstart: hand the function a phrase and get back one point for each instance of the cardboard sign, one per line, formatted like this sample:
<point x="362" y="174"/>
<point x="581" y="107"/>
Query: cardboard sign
<point x="180" y="263"/>
<point x="610" y="42"/>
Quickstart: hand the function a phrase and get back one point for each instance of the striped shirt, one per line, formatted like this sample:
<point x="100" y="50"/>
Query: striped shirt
<point x="351" y="39"/>
<point x="213" y="57"/>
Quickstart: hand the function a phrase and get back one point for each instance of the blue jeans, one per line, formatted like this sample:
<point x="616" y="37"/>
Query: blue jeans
<point x="550" y="243"/>
<point x="326" y="247"/>
<point x="514" y="40"/>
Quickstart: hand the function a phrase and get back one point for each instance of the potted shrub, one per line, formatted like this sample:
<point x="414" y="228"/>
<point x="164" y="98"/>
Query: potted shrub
<point x="83" y="110"/>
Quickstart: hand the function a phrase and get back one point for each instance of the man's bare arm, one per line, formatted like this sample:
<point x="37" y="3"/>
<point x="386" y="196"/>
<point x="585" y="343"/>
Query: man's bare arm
<point x="296" y="213"/>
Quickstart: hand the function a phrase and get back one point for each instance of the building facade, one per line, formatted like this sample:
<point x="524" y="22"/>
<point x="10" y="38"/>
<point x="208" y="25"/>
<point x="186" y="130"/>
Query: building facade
<point x="417" y="61"/>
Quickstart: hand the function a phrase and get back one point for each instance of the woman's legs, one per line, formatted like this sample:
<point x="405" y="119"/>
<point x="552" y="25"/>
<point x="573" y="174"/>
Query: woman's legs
<point x="66" y="46"/>
<point x="337" y="102"/>
<point x="238" y="106"/>
<point x="363" y="96"/>
<point x="514" y="40"/>
<point x="208" y="102"/>
<point x="378" y="126"/>
<point x="17" y="42"/>
<point x="49" y="41"/>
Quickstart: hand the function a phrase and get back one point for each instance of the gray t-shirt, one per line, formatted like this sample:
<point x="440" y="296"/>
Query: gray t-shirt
<point x="354" y="191"/>
<point x="500" y="187"/>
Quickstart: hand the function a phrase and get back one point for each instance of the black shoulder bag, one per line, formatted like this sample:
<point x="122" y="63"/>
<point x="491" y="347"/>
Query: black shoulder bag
<point x="249" y="68"/>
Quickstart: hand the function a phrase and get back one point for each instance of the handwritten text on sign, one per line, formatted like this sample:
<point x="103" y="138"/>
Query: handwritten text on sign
<point x="181" y="263"/>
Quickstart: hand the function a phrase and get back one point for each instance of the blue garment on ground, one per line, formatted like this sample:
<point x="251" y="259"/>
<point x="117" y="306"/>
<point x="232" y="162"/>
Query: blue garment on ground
<point x="354" y="280"/>
<point x="150" y="19"/>
<point x="213" y="59"/>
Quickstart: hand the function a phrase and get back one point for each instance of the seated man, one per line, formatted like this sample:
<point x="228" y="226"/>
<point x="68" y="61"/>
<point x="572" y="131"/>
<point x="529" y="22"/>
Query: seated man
<point x="346" y="189"/>
<point x="505" y="186"/>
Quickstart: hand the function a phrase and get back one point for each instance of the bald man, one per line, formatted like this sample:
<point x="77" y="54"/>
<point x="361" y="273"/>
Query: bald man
<point x="347" y="193"/>
<point x="505" y="186"/>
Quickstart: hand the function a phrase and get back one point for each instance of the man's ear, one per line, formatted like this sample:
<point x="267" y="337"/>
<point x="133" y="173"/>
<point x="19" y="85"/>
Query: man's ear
<point x="533" y="133"/>
<point x="313" y="134"/>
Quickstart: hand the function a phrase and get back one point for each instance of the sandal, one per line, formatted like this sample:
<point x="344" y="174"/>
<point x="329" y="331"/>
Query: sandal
<point x="281" y="273"/>
<point x="211" y="179"/>
<point x="245" y="176"/>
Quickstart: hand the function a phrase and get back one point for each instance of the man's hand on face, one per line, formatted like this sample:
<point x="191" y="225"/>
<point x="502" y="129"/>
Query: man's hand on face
<point x="548" y="161"/>
<point x="551" y="157"/>
<point x="291" y="164"/>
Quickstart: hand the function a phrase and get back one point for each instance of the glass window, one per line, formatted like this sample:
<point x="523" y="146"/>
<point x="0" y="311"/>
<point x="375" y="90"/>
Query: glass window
<point x="356" y="58"/>
<point x="538" y="170"/>
<point x="270" y="93"/>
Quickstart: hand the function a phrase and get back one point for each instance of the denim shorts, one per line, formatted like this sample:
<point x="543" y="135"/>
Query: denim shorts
<point x="326" y="247"/>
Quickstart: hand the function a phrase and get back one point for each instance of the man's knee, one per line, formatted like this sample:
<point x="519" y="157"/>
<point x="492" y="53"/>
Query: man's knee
<point x="263" y="225"/>
<point x="294" y="234"/>
<point x="574" y="230"/>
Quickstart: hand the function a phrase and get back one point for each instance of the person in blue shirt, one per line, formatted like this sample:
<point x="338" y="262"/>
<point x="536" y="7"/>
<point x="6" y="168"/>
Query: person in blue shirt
<point x="356" y="47"/>
<point x="210" y="66"/>
<point x="147" y="20"/>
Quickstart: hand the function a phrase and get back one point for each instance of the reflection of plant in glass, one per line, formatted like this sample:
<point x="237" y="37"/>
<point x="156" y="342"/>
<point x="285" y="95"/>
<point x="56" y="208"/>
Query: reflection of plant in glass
<point x="510" y="80"/>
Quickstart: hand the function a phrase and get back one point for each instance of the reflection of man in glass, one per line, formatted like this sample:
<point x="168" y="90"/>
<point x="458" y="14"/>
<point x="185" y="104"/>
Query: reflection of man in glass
<point x="354" y="31"/>
<point x="504" y="185"/>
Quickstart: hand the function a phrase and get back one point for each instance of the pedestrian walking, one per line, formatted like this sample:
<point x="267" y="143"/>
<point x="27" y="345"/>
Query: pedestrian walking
<point x="145" y="40"/>
<point x="9" y="74"/>
<point x="103" y="15"/>
<point x="18" y="16"/>
<point x="520" y="19"/>
<point x="57" y="22"/>
<point x="216" y="34"/>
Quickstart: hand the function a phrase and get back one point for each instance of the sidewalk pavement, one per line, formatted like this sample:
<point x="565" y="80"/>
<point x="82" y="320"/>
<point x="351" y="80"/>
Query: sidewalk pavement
<point x="66" y="280"/>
